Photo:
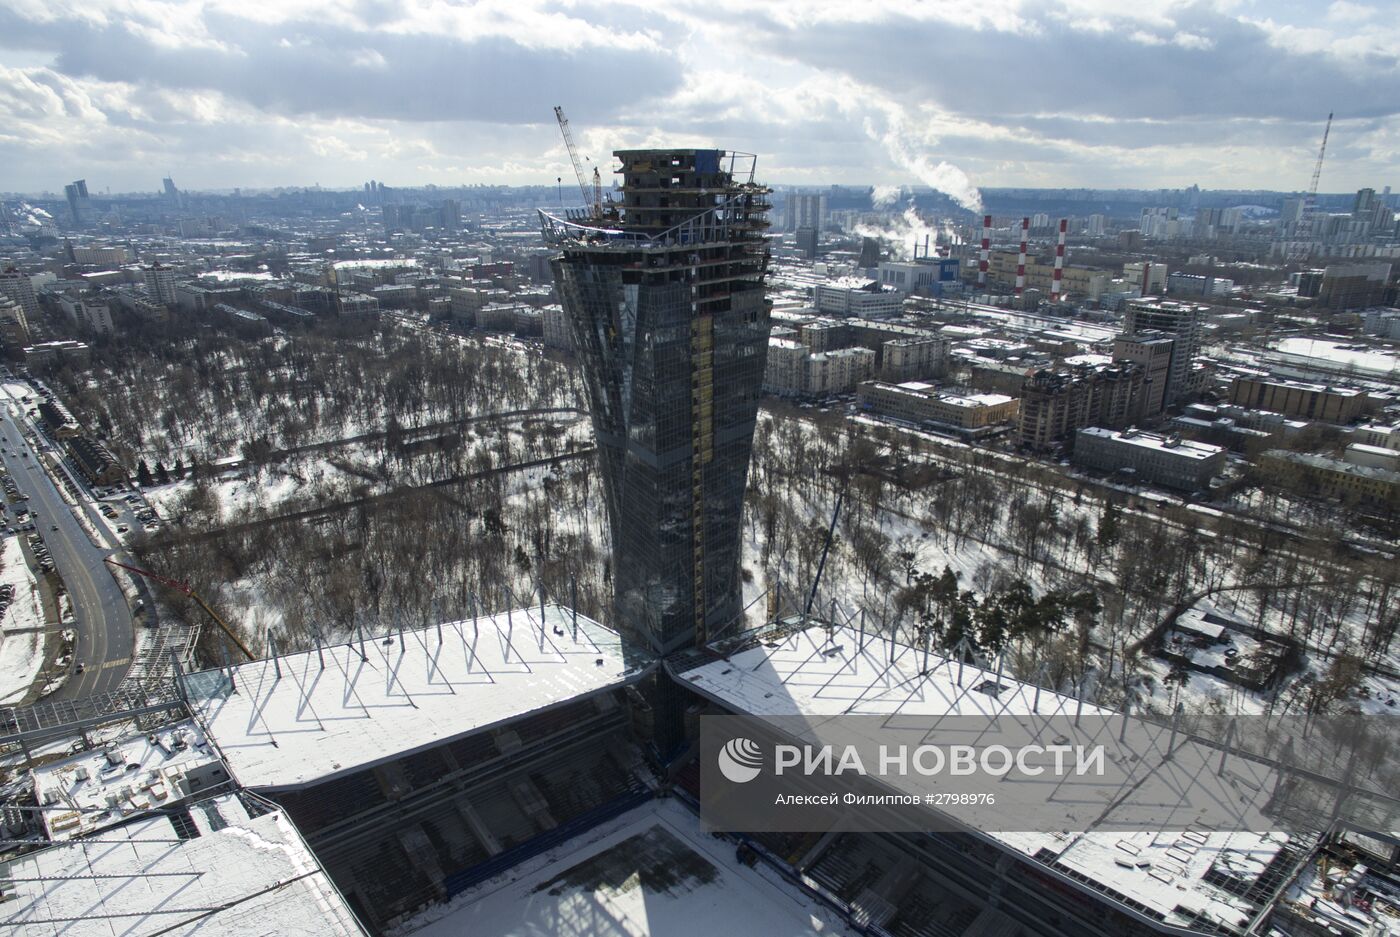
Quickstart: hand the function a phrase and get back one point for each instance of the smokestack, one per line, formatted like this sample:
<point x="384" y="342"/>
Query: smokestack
<point x="986" y="252"/>
<point x="925" y="247"/>
<point x="1059" y="261"/>
<point x="1021" y="261"/>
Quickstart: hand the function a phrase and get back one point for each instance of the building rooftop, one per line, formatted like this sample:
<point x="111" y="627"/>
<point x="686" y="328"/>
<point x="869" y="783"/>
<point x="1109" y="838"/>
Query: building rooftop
<point x="103" y="786"/>
<point x="1329" y="464"/>
<point x="292" y="720"/>
<point x="1167" y="874"/>
<point x="1308" y="386"/>
<point x="218" y="870"/>
<point x="1184" y="448"/>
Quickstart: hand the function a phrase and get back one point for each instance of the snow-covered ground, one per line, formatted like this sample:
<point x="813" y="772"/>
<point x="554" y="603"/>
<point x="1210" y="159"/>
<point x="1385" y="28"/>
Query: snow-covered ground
<point x="21" y="628"/>
<point x="650" y="873"/>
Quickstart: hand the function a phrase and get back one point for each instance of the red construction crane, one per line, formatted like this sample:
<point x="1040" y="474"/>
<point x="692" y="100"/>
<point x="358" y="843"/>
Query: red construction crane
<point x="184" y="589"/>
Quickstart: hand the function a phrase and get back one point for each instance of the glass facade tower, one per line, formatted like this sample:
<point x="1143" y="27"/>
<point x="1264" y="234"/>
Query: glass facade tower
<point x="664" y="295"/>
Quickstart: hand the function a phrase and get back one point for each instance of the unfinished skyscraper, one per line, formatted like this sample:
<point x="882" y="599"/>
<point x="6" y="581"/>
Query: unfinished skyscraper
<point x="664" y="295"/>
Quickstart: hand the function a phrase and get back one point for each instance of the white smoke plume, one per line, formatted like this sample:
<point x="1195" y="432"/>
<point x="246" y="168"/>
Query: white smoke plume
<point x="905" y="146"/>
<point x="884" y="196"/>
<point x="902" y="234"/>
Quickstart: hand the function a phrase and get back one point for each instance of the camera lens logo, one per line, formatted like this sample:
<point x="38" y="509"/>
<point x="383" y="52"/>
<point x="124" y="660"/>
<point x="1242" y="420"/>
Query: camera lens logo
<point x="740" y="760"/>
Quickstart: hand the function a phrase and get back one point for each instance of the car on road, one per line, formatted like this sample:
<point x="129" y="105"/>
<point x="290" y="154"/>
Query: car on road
<point x="53" y="527"/>
<point x="122" y="528"/>
<point x="79" y="669"/>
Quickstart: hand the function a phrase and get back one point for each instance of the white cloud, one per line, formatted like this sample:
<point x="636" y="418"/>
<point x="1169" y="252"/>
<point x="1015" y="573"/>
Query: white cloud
<point x="953" y="94"/>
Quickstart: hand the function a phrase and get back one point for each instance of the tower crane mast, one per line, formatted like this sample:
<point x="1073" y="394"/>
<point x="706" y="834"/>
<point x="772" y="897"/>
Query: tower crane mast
<point x="1308" y="219"/>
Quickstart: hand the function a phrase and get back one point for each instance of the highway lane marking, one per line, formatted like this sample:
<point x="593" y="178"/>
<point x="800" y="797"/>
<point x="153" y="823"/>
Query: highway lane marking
<point x="120" y="662"/>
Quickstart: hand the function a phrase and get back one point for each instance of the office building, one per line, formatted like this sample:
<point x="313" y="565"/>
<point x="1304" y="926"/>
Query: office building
<point x="1182" y="322"/>
<point x="20" y="289"/>
<point x="160" y="283"/>
<point x="1169" y="461"/>
<point x="806" y="238"/>
<point x="556" y="328"/>
<point x="806" y="211"/>
<point x="1148" y="277"/>
<point x="78" y="202"/>
<point x="853" y="296"/>
<point x="905" y="359"/>
<point x="97" y="255"/>
<point x="14" y="325"/>
<point x="665" y="298"/>
<point x="1153" y="351"/>
<point x="838" y="371"/>
<point x="786" y="372"/>
<point x="1320" y="402"/>
<point x="1198" y="284"/>
<point x="1353" y="286"/>
<point x="87" y="315"/>
<point x="971" y="415"/>
<point x="1054" y="404"/>
<point x="1317" y="474"/>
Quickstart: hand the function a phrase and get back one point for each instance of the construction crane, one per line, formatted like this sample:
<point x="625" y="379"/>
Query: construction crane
<point x="594" y="199"/>
<point x="184" y="589"/>
<point x="1303" y="235"/>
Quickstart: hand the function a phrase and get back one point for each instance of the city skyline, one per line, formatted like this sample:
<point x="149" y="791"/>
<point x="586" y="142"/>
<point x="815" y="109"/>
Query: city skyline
<point x="958" y="96"/>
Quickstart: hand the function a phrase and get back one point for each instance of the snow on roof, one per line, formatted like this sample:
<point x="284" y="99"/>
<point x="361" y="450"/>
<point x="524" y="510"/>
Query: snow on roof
<point x="652" y="871"/>
<point x="1174" y="445"/>
<point x="105" y="785"/>
<point x="238" y="876"/>
<point x="299" y="718"/>
<point x="799" y="674"/>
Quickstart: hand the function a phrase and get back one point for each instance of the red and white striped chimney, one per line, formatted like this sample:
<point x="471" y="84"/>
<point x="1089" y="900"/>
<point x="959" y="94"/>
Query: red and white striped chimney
<point x="986" y="252"/>
<point x="1059" y="262"/>
<point x="1021" y="261"/>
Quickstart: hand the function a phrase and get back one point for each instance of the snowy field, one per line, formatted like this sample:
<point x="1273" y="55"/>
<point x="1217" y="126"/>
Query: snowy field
<point x="652" y="872"/>
<point x="22" y="643"/>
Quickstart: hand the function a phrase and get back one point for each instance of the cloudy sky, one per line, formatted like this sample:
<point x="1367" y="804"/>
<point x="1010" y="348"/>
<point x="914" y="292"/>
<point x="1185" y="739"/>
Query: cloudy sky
<point x="956" y="93"/>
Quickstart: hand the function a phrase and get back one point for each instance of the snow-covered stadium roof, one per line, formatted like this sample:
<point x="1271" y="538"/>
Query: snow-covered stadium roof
<point x="300" y="718"/>
<point x="218" y="872"/>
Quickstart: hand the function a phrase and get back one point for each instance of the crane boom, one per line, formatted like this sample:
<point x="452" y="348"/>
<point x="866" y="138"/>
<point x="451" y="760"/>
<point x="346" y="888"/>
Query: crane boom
<point x="573" y="153"/>
<point x="1307" y="221"/>
<point x="184" y="589"/>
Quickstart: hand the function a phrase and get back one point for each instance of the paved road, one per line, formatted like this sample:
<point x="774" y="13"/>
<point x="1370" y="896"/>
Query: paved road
<point x="100" y="611"/>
